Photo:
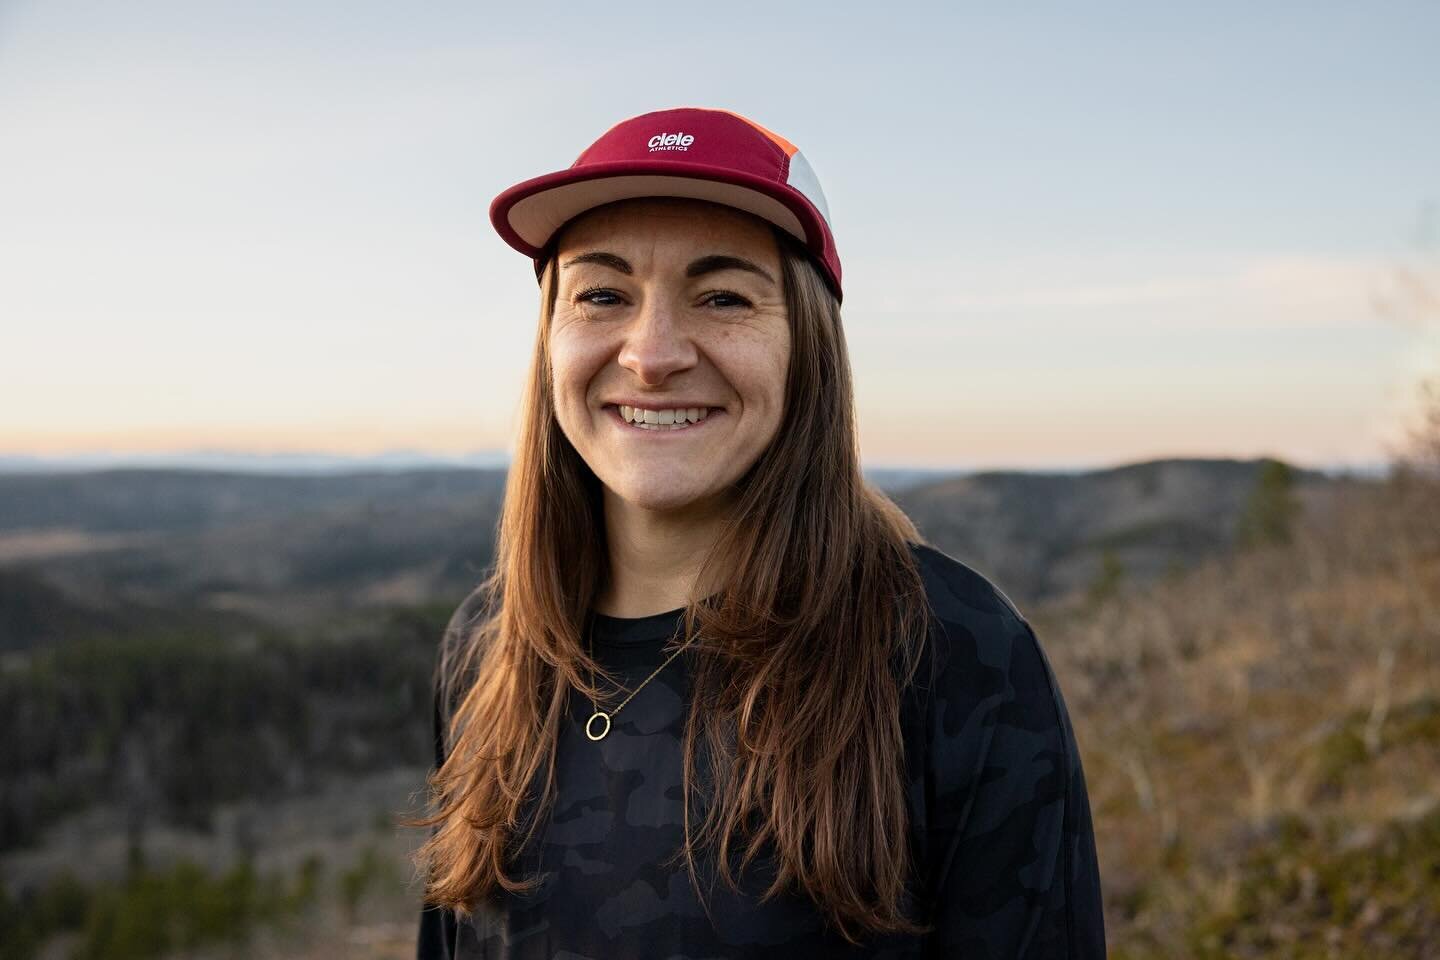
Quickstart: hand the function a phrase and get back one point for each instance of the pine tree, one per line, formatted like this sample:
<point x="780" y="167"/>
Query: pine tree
<point x="1271" y="509"/>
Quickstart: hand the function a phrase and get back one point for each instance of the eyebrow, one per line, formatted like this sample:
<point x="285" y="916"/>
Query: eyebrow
<point x="708" y="264"/>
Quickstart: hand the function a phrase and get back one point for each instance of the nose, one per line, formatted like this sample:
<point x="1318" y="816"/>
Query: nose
<point x="656" y="343"/>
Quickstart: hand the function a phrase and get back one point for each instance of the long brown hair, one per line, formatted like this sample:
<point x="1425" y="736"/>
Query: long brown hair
<point x="799" y="661"/>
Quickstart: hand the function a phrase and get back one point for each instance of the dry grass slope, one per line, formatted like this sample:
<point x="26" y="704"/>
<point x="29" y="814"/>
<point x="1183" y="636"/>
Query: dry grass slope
<point x="1262" y="736"/>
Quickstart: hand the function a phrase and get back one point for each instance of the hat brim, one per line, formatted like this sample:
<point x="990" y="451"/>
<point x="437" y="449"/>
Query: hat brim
<point x="527" y="215"/>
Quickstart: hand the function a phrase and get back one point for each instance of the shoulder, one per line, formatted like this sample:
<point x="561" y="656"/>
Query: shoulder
<point x="472" y="611"/>
<point x="992" y="683"/>
<point x="456" y="655"/>
<point x="972" y="618"/>
<point x="956" y="589"/>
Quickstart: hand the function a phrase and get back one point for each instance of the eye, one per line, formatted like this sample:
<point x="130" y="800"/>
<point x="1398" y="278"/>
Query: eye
<point x="735" y="300"/>
<point x="596" y="295"/>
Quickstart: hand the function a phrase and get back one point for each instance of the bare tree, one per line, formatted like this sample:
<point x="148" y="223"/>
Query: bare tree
<point x="1411" y="299"/>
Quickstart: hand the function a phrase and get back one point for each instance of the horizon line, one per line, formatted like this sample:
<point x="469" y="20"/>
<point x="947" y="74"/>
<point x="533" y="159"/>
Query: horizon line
<point x="403" y="459"/>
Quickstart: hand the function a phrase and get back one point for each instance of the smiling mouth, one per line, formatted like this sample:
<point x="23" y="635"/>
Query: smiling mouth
<point x="662" y="429"/>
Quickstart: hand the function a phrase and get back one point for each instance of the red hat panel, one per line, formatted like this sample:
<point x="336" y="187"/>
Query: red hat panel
<point x="692" y="152"/>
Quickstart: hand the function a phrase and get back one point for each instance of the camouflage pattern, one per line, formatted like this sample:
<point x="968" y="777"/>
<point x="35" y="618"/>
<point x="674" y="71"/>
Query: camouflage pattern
<point x="1000" y="823"/>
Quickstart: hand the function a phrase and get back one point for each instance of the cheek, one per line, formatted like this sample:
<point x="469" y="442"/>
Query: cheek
<point x="573" y="361"/>
<point x="770" y="355"/>
<point x="758" y="368"/>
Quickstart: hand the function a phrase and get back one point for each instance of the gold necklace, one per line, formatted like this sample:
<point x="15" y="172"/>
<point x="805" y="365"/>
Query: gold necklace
<point x="601" y="714"/>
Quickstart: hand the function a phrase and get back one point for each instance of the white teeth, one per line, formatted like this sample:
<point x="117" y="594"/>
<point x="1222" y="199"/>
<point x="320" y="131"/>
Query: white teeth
<point x="674" y="418"/>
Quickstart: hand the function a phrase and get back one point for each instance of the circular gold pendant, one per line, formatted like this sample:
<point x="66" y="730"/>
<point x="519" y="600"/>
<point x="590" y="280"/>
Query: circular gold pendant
<point x="597" y="715"/>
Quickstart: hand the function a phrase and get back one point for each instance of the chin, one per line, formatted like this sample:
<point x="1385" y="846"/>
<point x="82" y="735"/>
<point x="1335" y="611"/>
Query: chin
<point x="656" y="500"/>
<point x="658" y="495"/>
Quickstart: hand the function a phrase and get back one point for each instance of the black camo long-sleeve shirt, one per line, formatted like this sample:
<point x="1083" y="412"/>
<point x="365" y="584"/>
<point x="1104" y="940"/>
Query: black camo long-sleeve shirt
<point x="1000" y="824"/>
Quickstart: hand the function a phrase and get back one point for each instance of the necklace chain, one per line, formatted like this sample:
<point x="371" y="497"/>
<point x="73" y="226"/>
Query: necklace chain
<point x="603" y="715"/>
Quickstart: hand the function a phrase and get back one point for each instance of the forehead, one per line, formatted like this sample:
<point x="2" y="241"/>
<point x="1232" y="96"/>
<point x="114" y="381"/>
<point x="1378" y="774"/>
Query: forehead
<point x="679" y="223"/>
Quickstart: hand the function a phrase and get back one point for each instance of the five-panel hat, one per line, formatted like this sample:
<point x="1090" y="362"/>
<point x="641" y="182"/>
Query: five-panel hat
<point x="696" y="152"/>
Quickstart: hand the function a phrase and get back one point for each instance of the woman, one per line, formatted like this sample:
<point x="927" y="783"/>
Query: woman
<point x="718" y="697"/>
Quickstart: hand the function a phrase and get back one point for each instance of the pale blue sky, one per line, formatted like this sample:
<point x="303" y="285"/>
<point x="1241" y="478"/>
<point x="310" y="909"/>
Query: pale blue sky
<point x="1071" y="235"/>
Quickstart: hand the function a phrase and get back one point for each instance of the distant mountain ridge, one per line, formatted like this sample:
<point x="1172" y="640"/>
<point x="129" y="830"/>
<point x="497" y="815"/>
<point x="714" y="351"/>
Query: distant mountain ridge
<point x="1042" y="536"/>
<point x="300" y="549"/>
<point x="403" y="460"/>
<point x="240" y="462"/>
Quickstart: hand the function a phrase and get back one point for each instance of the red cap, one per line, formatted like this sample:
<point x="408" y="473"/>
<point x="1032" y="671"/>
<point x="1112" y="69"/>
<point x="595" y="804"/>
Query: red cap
<point x="694" y="152"/>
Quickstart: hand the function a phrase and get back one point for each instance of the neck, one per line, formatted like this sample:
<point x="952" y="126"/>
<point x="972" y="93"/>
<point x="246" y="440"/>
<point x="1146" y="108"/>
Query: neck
<point x="655" y="556"/>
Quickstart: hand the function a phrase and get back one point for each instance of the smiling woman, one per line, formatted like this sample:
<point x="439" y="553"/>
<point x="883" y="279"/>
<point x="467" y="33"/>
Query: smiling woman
<point x="709" y="650"/>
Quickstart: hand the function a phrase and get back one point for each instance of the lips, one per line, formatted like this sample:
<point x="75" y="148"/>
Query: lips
<point x="664" y="430"/>
<point x="652" y="403"/>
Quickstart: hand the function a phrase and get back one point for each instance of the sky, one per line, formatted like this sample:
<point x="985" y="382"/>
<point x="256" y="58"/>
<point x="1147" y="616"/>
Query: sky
<point x="1072" y="236"/>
